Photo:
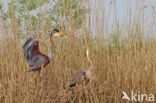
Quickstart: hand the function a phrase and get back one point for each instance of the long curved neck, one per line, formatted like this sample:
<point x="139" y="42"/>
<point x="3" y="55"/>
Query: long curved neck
<point x="50" y="54"/>
<point x="91" y="64"/>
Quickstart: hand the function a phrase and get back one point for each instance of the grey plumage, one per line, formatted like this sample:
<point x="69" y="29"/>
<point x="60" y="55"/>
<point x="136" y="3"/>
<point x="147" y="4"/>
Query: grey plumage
<point x="28" y="51"/>
<point x="37" y="60"/>
<point x="26" y="44"/>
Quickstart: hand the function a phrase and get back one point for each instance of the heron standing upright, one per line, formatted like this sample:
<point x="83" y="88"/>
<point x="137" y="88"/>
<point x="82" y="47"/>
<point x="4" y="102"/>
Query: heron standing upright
<point x="37" y="60"/>
<point x="82" y="76"/>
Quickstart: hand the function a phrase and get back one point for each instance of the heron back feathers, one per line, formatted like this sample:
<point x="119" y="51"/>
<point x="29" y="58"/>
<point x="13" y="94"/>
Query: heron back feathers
<point x="78" y="78"/>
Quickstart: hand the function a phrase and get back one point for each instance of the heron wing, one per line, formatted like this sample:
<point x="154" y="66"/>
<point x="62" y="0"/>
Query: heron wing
<point x="38" y="60"/>
<point x="29" y="48"/>
<point x="28" y="43"/>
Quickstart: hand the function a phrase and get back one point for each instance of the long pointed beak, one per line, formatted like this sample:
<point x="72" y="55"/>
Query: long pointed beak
<point x="61" y="34"/>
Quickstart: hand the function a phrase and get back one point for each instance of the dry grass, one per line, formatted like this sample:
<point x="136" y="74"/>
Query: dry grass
<point x="115" y="69"/>
<point x="121" y="65"/>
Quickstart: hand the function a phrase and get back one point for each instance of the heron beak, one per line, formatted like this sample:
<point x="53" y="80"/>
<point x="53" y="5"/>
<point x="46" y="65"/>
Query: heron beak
<point x="61" y="34"/>
<point x="58" y="34"/>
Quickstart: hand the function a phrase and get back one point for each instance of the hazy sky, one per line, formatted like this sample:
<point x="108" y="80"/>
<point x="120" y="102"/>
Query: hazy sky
<point x="121" y="7"/>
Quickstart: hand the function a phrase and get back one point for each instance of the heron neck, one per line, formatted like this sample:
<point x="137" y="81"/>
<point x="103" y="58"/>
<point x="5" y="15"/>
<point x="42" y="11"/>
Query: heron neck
<point x="90" y="64"/>
<point x="50" y="54"/>
<point x="89" y="71"/>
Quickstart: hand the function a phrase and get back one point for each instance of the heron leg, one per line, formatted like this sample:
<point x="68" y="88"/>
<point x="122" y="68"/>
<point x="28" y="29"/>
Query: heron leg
<point x="41" y="71"/>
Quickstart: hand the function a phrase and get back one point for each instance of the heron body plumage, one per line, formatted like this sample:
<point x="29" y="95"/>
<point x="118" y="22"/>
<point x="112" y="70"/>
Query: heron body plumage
<point x="38" y="61"/>
<point x="33" y="56"/>
<point x="79" y="77"/>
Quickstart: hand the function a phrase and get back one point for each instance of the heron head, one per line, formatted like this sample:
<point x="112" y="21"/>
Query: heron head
<point x="56" y="33"/>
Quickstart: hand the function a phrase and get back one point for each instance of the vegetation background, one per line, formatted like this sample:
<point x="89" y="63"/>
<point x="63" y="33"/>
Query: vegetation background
<point x="124" y="60"/>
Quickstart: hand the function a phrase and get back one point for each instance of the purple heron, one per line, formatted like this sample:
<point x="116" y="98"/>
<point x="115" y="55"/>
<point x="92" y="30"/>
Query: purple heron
<point x="37" y="60"/>
<point x="82" y="76"/>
